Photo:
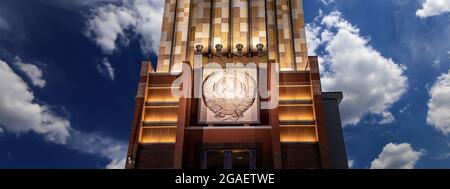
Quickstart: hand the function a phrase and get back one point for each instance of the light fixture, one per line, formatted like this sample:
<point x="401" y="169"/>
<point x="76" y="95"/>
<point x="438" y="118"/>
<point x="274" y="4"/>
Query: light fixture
<point x="239" y="48"/>
<point x="130" y="160"/>
<point x="219" y="48"/>
<point x="198" y="49"/>
<point x="260" y="49"/>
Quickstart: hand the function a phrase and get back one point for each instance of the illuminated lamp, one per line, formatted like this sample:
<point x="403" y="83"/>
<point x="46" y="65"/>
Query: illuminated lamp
<point x="219" y="48"/>
<point x="130" y="160"/>
<point x="239" y="48"/>
<point x="198" y="49"/>
<point x="260" y="49"/>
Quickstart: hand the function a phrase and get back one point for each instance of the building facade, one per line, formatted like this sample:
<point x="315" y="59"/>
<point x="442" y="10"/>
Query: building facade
<point x="234" y="88"/>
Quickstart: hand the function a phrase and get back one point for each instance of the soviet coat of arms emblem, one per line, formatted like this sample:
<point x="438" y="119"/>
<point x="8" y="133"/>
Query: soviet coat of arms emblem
<point x="229" y="94"/>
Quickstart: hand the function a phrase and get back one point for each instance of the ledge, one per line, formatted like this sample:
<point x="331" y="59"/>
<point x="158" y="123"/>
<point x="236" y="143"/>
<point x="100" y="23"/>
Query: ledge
<point x="338" y="96"/>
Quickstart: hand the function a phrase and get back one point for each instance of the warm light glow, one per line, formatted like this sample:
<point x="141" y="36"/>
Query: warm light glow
<point x="158" y="135"/>
<point x="295" y="93"/>
<point x="284" y="69"/>
<point x="296" y="113"/>
<point x="217" y="40"/>
<point x="255" y="41"/>
<point x="161" y="114"/>
<point x="298" y="134"/>
<point x="177" y="68"/>
<point x="161" y="95"/>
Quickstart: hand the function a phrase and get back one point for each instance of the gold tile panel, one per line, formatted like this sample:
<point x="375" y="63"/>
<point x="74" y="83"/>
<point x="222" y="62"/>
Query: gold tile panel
<point x="298" y="20"/>
<point x="258" y="26"/>
<point x="278" y="25"/>
<point x="181" y="35"/>
<point x="284" y="35"/>
<point x="221" y="21"/>
<point x="200" y="25"/>
<point x="167" y="30"/>
<point x="240" y="24"/>
<point x="271" y="30"/>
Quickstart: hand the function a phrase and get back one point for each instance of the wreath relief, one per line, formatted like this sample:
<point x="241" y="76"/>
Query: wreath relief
<point x="229" y="94"/>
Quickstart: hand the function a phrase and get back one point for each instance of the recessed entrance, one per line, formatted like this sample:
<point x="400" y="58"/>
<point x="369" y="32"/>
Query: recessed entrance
<point x="229" y="159"/>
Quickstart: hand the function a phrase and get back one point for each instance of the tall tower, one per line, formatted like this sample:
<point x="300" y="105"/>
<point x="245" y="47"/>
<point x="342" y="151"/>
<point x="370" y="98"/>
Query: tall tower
<point x="234" y="88"/>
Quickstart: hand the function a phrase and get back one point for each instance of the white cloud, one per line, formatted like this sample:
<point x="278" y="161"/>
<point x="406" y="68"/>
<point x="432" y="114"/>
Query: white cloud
<point x="397" y="156"/>
<point x="433" y="8"/>
<point x="439" y="104"/>
<point x="105" y="68"/>
<point x="32" y="72"/>
<point x="313" y="39"/>
<point x="102" y="146"/>
<point x="20" y="114"/>
<point x="351" y="163"/>
<point x="109" y="23"/>
<point x="117" y="164"/>
<point x="387" y="118"/>
<point x="371" y="83"/>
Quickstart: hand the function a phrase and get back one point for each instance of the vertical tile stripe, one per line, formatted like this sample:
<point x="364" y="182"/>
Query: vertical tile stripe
<point x="221" y="21"/>
<point x="166" y="36"/>
<point x="240" y="24"/>
<point x="200" y="25"/>
<point x="181" y="35"/>
<point x="284" y="35"/>
<point x="272" y="37"/>
<point x="259" y="34"/>
<point x="298" y="20"/>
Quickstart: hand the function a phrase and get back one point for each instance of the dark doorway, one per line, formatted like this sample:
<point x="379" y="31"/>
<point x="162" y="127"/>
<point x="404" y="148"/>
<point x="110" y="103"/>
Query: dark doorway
<point x="215" y="159"/>
<point x="229" y="159"/>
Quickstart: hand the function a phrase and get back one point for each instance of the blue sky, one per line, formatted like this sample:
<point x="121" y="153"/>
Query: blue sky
<point x="73" y="67"/>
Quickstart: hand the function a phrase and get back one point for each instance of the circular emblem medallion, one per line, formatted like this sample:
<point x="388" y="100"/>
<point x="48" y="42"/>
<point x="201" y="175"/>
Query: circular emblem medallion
<point x="229" y="94"/>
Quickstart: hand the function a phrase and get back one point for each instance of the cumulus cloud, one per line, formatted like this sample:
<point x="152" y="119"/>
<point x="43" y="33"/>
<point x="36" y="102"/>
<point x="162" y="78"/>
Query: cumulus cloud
<point x="109" y="24"/>
<point x="105" y="68"/>
<point x="313" y="38"/>
<point x="371" y="83"/>
<point x="433" y="8"/>
<point x="397" y="156"/>
<point x="439" y="104"/>
<point x="20" y="114"/>
<point x="32" y="71"/>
